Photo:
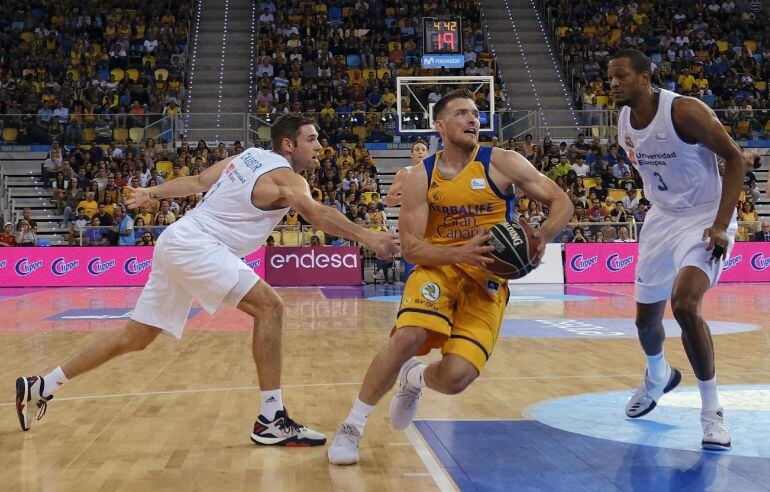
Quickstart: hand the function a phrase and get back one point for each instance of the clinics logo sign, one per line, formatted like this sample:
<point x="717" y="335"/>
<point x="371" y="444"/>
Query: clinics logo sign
<point x="97" y="266"/>
<point x="759" y="262"/>
<point x="61" y="266"/>
<point x="134" y="267"/>
<point x="579" y="264"/>
<point x="615" y="263"/>
<point x="24" y="267"/>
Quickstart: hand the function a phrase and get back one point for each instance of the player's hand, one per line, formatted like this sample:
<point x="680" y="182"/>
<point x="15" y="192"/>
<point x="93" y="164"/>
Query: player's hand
<point x="538" y="236"/>
<point x="475" y="252"/>
<point x="138" y="197"/>
<point x="383" y="244"/>
<point x="718" y="241"/>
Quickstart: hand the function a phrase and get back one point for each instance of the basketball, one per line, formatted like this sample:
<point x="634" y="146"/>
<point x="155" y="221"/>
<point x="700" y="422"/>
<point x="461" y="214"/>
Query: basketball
<point x="514" y="245"/>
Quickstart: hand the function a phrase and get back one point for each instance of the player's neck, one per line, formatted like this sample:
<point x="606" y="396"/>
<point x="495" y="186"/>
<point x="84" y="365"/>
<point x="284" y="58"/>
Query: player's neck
<point x="644" y="109"/>
<point x="454" y="157"/>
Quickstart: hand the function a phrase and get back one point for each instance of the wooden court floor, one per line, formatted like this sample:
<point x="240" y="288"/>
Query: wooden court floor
<point x="178" y="415"/>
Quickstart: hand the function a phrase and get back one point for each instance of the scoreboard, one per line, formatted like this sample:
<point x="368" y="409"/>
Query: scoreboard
<point x="442" y="36"/>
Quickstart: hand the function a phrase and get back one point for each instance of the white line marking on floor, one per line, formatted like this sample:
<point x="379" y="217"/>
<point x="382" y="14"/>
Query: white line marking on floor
<point x="438" y="473"/>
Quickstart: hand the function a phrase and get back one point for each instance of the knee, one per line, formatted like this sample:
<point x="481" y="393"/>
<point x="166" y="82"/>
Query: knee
<point x="455" y="382"/>
<point x="408" y="340"/>
<point x="267" y="302"/>
<point x="685" y="306"/>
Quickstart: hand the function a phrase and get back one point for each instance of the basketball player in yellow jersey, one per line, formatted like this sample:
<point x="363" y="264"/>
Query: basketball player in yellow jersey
<point x="418" y="153"/>
<point x="450" y="301"/>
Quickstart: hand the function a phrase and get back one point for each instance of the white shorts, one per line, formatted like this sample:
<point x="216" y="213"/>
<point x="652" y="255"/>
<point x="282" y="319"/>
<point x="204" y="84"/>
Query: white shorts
<point x="189" y="264"/>
<point x="670" y="241"/>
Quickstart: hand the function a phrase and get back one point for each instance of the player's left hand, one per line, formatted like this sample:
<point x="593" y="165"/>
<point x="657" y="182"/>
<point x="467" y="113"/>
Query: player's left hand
<point x="138" y="196"/>
<point x="718" y="240"/>
<point x="540" y="247"/>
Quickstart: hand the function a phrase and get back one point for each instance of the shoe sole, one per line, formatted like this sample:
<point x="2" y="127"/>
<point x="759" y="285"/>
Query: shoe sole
<point x="676" y="378"/>
<point x="715" y="446"/>
<point x="22" y="392"/>
<point x="348" y="462"/>
<point x="291" y="442"/>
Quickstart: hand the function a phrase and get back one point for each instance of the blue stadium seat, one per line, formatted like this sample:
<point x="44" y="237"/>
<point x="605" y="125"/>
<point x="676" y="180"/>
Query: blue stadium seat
<point x="335" y="14"/>
<point x="354" y="61"/>
<point x="709" y="100"/>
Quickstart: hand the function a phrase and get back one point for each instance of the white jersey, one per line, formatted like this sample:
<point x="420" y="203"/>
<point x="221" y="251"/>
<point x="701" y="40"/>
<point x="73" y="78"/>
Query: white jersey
<point x="227" y="212"/>
<point x="677" y="175"/>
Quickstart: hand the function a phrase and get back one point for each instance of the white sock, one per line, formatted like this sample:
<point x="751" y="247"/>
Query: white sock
<point x="271" y="403"/>
<point x="358" y="415"/>
<point x="656" y="367"/>
<point x="708" y="394"/>
<point x="414" y="376"/>
<point x="53" y="381"/>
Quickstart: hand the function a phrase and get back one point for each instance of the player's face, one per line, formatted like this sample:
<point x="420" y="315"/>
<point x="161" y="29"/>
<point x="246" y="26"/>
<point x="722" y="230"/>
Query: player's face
<point x="459" y="123"/>
<point x="419" y="151"/>
<point x="625" y="83"/>
<point x="305" y="153"/>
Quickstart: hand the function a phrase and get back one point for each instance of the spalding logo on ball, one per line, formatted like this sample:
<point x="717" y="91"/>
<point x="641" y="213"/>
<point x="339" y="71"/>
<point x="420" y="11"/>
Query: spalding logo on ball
<point x="515" y="246"/>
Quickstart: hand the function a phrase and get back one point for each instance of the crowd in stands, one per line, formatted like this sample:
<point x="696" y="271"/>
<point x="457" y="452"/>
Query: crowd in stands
<point x="87" y="72"/>
<point x="717" y="51"/>
<point x="338" y="61"/>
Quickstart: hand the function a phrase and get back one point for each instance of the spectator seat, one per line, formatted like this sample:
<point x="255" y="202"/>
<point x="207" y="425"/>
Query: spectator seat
<point x="9" y="135"/>
<point x="353" y="61"/>
<point x="164" y="167"/>
<point x="335" y="14"/>
<point x="589" y="183"/>
<point x="152" y="132"/>
<point x="161" y="74"/>
<point x="118" y="73"/>
<point x="310" y="233"/>
<point x="276" y="237"/>
<point x="291" y="238"/>
<point x="360" y="131"/>
<point x="88" y="134"/>
<point x="136" y="134"/>
<point x="617" y="194"/>
<point x="120" y="134"/>
<point x="264" y="132"/>
<point x="132" y="74"/>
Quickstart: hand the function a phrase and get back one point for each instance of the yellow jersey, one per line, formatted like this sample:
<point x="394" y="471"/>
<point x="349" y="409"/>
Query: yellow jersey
<point x="466" y="205"/>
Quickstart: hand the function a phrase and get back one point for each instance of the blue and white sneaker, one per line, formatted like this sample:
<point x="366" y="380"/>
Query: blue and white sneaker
<point x="283" y="431"/>
<point x="646" y="396"/>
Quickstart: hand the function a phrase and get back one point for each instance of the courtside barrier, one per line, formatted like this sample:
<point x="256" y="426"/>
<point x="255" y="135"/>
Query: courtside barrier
<point x="616" y="262"/>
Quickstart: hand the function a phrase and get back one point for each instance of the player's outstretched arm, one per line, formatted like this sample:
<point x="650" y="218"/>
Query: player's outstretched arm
<point x="394" y="192"/>
<point x="414" y="219"/>
<point x="696" y="122"/>
<point x="517" y="170"/>
<point x="188" y="185"/>
<point x="295" y="190"/>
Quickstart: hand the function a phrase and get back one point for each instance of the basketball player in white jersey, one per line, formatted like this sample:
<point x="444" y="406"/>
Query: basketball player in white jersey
<point x="199" y="258"/>
<point x="673" y="142"/>
<point x="418" y="153"/>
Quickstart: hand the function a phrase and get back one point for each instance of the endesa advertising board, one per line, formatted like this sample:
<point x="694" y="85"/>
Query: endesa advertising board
<point x="130" y="266"/>
<point x="304" y="266"/>
<point x="616" y="263"/>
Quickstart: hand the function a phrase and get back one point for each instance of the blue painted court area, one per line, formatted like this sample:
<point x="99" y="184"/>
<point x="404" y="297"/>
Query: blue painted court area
<point x="525" y="455"/>
<point x="674" y="424"/>
<point x="103" y="314"/>
<point x="601" y="328"/>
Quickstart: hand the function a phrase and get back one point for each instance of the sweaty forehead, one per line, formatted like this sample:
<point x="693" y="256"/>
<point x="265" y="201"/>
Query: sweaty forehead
<point x="461" y="103"/>
<point x="307" y="131"/>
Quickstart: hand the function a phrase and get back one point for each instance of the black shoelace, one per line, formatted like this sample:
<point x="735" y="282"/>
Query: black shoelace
<point x="43" y="406"/>
<point x="288" y="425"/>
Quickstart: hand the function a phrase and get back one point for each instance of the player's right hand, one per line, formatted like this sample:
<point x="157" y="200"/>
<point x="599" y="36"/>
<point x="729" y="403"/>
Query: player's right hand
<point x="137" y="197"/>
<point x="475" y="252"/>
<point x="383" y="244"/>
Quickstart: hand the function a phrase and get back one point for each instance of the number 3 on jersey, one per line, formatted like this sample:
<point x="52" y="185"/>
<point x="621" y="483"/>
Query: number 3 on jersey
<point x="662" y="186"/>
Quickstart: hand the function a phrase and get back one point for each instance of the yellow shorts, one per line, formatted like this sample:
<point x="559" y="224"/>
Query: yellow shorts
<point x="462" y="314"/>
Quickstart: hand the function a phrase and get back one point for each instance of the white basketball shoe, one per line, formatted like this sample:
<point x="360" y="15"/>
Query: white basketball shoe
<point x="646" y="396"/>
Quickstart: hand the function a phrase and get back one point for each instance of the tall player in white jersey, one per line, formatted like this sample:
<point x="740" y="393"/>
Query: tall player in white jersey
<point x="199" y="258"/>
<point x="673" y="142"/>
<point x="418" y="153"/>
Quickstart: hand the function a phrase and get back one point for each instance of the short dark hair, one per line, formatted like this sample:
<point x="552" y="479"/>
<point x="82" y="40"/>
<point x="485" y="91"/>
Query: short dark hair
<point x="287" y="126"/>
<point x="448" y="97"/>
<point x="419" y="142"/>
<point x="639" y="61"/>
